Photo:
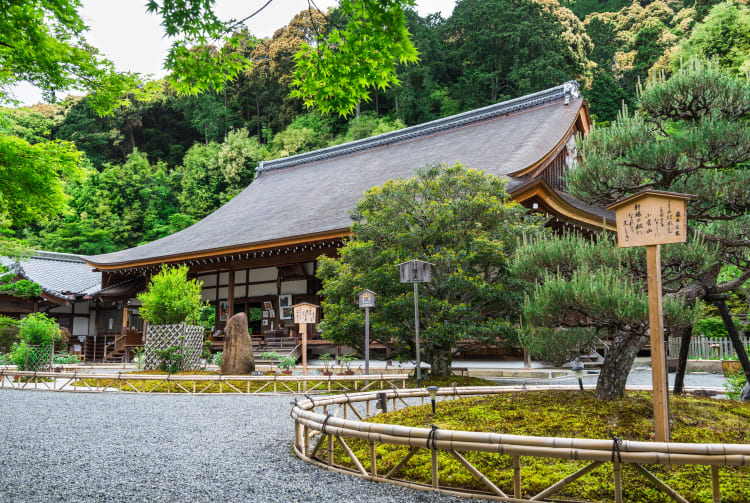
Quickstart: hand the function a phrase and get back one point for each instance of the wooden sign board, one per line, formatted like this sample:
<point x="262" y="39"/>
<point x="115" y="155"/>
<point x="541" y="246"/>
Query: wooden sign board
<point x="367" y="299"/>
<point x="651" y="217"/>
<point x="304" y="312"/>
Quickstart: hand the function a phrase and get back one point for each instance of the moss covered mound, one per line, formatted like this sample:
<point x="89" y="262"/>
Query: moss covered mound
<point x="580" y="415"/>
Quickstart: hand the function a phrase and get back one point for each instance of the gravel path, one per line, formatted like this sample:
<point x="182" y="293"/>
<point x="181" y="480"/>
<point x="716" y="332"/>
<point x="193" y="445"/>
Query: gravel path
<point x="638" y="376"/>
<point x="165" y="448"/>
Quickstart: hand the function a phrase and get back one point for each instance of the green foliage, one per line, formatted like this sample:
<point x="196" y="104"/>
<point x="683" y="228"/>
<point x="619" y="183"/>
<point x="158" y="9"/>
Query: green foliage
<point x="171" y="298"/>
<point x="32" y="177"/>
<point x="734" y="384"/>
<point x="556" y="346"/>
<point x="254" y="313"/>
<point x="339" y="71"/>
<point x="710" y="326"/>
<point x="43" y="44"/>
<point x="38" y="329"/>
<point x="170" y="359"/>
<point x="326" y="358"/>
<point x="724" y="35"/>
<point x="207" y="318"/>
<point x="460" y="220"/>
<point x="346" y="360"/>
<point x="218" y="357"/>
<point x="65" y="358"/>
<point x="286" y="363"/>
<point x="8" y="333"/>
<point x="22" y="288"/>
<point x="509" y="48"/>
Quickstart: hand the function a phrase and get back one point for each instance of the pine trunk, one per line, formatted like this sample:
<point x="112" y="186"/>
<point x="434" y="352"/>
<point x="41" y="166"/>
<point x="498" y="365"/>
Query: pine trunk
<point x="617" y="364"/>
<point x="440" y="359"/>
<point x="679" y="379"/>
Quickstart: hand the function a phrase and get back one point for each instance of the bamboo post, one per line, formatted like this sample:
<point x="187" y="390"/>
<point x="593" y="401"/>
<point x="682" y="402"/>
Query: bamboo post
<point x="306" y="434"/>
<point x="435" y="481"/>
<point x="373" y="460"/>
<point x="656" y="329"/>
<point x="516" y="476"/>
<point x="330" y="449"/>
<point x="715" y="487"/>
<point x="617" y="467"/>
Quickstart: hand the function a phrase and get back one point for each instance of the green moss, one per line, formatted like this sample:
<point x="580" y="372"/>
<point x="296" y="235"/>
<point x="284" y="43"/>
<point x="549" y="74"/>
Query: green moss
<point x="572" y="414"/>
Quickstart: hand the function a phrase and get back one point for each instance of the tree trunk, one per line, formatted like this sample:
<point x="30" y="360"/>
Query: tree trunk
<point x="617" y="364"/>
<point x="679" y="378"/>
<point x="735" y="337"/>
<point x="440" y="359"/>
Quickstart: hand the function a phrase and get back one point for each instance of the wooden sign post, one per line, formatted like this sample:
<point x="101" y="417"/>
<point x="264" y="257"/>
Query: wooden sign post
<point x="652" y="218"/>
<point x="305" y="313"/>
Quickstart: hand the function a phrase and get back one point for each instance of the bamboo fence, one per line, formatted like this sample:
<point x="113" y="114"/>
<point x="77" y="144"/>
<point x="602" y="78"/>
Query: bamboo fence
<point x="337" y="427"/>
<point x="196" y="384"/>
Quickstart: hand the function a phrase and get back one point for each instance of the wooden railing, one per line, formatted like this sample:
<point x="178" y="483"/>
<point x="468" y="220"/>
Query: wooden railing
<point x="195" y="384"/>
<point x="326" y="418"/>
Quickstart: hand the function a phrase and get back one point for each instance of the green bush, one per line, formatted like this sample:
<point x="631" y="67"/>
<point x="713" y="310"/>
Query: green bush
<point x="710" y="326"/>
<point x="172" y="298"/>
<point x="170" y="358"/>
<point x="734" y="384"/>
<point x="37" y="329"/>
<point x="65" y="358"/>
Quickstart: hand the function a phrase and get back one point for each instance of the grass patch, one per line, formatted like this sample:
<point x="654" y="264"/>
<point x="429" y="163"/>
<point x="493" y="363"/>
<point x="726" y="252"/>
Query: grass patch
<point x="572" y="414"/>
<point x="252" y="386"/>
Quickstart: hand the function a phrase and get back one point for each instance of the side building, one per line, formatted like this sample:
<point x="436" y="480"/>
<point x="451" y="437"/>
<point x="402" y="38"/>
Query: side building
<point x="258" y="253"/>
<point x="100" y="324"/>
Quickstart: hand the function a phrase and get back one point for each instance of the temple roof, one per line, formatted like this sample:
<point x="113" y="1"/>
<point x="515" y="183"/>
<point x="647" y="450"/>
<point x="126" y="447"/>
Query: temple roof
<point x="308" y="195"/>
<point x="61" y="275"/>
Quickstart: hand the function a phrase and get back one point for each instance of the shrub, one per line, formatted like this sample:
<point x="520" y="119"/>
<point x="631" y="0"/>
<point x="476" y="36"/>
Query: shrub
<point x="734" y="384"/>
<point x="710" y="326"/>
<point x="65" y="358"/>
<point x="170" y="358"/>
<point x="37" y="329"/>
<point x="171" y="298"/>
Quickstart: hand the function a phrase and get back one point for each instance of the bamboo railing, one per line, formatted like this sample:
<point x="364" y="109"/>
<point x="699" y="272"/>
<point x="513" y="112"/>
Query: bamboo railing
<point x="337" y="427"/>
<point x="195" y="384"/>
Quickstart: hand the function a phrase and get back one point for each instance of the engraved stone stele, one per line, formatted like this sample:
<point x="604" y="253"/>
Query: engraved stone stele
<point x="238" y="347"/>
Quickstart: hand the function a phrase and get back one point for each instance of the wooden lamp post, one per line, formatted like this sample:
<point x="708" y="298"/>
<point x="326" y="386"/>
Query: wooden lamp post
<point x="367" y="301"/>
<point x="652" y="218"/>
<point x="305" y="313"/>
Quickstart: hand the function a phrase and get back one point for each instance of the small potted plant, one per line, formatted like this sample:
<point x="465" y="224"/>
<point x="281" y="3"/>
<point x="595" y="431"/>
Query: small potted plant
<point x="326" y="358"/>
<point x="346" y="361"/>
<point x="287" y="364"/>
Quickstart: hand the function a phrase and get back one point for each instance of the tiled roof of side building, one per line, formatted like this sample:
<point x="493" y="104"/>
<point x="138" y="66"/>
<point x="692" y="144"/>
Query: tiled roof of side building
<point x="61" y="275"/>
<point x="313" y="193"/>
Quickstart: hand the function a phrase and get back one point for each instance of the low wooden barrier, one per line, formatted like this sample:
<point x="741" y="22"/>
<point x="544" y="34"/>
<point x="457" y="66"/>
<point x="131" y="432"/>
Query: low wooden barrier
<point x="337" y="427"/>
<point x="195" y="384"/>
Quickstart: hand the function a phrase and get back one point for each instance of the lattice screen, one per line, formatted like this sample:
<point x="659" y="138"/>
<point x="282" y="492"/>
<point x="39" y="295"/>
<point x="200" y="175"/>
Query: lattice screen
<point x="188" y="337"/>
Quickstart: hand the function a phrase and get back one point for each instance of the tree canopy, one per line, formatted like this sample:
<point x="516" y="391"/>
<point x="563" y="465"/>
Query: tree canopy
<point x="689" y="135"/>
<point x="465" y="224"/>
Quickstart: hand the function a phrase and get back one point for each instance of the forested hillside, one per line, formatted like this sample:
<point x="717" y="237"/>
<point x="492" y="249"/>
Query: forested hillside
<point x="162" y="161"/>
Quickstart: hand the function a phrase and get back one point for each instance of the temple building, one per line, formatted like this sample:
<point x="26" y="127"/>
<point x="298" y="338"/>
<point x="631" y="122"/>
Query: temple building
<point x="258" y="252"/>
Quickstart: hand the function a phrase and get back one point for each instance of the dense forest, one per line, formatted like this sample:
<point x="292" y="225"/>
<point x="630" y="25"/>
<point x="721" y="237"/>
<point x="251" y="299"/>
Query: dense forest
<point x="163" y="160"/>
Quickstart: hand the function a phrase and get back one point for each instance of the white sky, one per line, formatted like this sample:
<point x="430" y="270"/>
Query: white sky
<point x="134" y="40"/>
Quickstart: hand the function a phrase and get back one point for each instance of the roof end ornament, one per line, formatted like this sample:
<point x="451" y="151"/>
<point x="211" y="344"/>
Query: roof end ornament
<point x="570" y="90"/>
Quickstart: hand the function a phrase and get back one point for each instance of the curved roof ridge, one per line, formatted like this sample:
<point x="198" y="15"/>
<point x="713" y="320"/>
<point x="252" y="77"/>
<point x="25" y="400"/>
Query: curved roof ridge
<point x="567" y="91"/>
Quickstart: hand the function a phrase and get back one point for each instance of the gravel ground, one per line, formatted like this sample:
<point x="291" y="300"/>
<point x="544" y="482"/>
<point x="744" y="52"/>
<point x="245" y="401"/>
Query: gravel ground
<point x="165" y="448"/>
<point x="638" y="376"/>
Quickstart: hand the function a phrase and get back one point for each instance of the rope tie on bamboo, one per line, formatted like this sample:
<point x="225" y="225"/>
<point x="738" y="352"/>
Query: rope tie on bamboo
<point x="325" y="421"/>
<point x="311" y="399"/>
<point x="616" y="443"/>
<point x="431" y="436"/>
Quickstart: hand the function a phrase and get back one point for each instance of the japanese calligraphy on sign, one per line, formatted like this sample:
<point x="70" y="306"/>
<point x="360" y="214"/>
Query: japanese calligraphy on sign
<point x="651" y="217"/>
<point x="305" y="312"/>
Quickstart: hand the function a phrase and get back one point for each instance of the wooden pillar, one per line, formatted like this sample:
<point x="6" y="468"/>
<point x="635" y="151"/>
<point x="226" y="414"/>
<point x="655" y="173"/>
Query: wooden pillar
<point x="303" y="333"/>
<point x="658" y="358"/>
<point x="230" y="295"/>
